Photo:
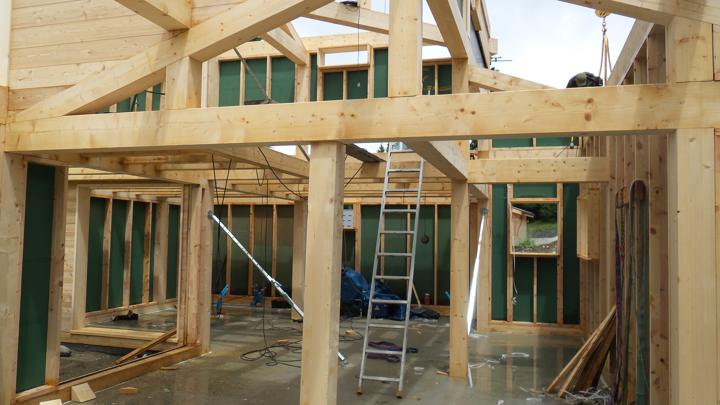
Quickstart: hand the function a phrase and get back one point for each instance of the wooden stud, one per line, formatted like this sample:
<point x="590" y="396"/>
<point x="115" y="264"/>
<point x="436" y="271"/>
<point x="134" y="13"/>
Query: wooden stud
<point x="128" y="253"/>
<point x="146" y="254"/>
<point x="318" y="383"/>
<point x="161" y="251"/>
<point x="299" y="249"/>
<point x="82" y="224"/>
<point x="484" y="300"/>
<point x="459" y="266"/>
<point x="107" y="234"/>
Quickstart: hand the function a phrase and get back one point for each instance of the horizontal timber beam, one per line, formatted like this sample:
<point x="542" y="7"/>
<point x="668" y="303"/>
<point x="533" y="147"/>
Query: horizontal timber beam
<point x="169" y="14"/>
<point x="567" y="170"/>
<point x="642" y="109"/>
<point x="497" y="81"/>
<point x="267" y="158"/>
<point x="658" y="11"/>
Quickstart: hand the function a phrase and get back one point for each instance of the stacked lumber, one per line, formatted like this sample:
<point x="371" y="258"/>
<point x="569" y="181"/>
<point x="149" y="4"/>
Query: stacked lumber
<point x="584" y="369"/>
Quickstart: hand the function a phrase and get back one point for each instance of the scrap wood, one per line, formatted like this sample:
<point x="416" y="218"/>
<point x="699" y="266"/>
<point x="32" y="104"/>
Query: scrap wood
<point x="128" y="390"/>
<point x="160" y="339"/>
<point x="585" y="367"/>
<point x="82" y="393"/>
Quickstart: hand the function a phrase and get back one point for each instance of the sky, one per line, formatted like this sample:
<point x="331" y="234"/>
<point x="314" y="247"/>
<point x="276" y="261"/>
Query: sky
<point x="546" y="41"/>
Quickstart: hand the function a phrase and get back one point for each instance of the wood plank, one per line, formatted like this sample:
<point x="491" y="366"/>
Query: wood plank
<point x="147" y="346"/>
<point x="657" y="11"/>
<point x="689" y="41"/>
<point x="569" y="170"/>
<point x="82" y="229"/>
<point x="168" y="14"/>
<point x="299" y="249"/>
<point x="128" y="253"/>
<point x="464" y="116"/>
<point x="318" y="382"/>
<point x="459" y="268"/>
<point x="204" y="41"/>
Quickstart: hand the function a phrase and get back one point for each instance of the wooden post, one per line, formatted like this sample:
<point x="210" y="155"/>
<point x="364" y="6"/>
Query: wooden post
<point x="57" y="266"/>
<point x="128" y="253"/>
<point x="692" y="246"/>
<point x="318" y="383"/>
<point x="82" y="229"/>
<point x="298" y="266"/>
<point x="459" y="260"/>
<point x="405" y="48"/>
<point x="484" y="286"/>
<point x="13" y="180"/>
<point x="161" y="251"/>
<point x="107" y="234"/>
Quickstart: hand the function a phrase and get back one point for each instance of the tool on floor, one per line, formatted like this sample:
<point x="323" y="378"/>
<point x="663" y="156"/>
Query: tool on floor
<point x="268" y="277"/>
<point x="408" y="175"/>
<point x="218" y="305"/>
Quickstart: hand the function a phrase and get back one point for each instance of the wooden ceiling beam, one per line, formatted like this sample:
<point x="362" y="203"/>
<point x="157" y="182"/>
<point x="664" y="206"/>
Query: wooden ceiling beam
<point x="287" y="45"/>
<point x="567" y="170"/>
<point x="497" y="81"/>
<point x="266" y="158"/>
<point x="169" y="14"/>
<point x="658" y="11"/>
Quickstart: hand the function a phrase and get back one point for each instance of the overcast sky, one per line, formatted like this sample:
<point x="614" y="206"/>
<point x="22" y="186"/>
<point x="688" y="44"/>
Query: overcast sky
<point x="547" y="41"/>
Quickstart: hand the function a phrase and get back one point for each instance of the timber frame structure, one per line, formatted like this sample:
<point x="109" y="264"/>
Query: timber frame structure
<point x="658" y="120"/>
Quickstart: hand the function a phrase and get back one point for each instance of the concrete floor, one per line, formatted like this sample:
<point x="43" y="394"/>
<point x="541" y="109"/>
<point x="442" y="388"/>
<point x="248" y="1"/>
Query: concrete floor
<point x="507" y="369"/>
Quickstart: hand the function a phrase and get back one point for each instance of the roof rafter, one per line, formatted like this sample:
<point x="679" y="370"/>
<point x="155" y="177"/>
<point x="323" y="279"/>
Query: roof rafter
<point x="658" y="11"/>
<point x="169" y="14"/>
<point x="289" y="46"/>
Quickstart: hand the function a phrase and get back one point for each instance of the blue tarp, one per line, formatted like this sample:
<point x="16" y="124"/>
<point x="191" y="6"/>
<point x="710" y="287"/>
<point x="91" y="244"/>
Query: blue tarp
<point x="355" y="289"/>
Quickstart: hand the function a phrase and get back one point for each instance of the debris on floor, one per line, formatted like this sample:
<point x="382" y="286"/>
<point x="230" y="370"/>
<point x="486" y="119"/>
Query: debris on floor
<point x="82" y="393"/>
<point x="128" y="390"/>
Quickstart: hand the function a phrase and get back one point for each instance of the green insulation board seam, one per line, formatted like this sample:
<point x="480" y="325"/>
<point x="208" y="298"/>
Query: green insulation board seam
<point x="219" y="251"/>
<point x="137" y="252"/>
<point x="117" y="253"/>
<point x="240" y="261"/>
<point x="171" y="280"/>
<point x="96" y="232"/>
<point x="35" y="284"/>
<point x="284" y="254"/>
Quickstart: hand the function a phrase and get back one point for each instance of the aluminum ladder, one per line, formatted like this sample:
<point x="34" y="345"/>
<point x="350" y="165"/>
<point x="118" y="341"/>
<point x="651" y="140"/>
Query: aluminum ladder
<point x="409" y="176"/>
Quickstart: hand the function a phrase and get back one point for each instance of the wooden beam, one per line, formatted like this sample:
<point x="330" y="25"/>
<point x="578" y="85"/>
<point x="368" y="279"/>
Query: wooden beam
<point x="373" y="21"/>
<point x="82" y="229"/>
<point x="299" y="248"/>
<point x="449" y="20"/>
<point x="459" y="267"/>
<point x="658" y="11"/>
<point x="290" y="47"/>
<point x="169" y="14"/>
<point x="201" y="42"/>
<point x="161" y="251"/>
<point x="564" y="170"/>
<point x="57" y="269"/>
<point x="634" y="42"/>
<point x="537" y="113"/>
<point x="443" y="155"/>
<point x="496" y="81"/>
<point x="183" y="84"/>
<point x="5" y="30"/>
<point x="318" y="381"/>
<point x="267" y="158"/>
<point x="405" y="51"/>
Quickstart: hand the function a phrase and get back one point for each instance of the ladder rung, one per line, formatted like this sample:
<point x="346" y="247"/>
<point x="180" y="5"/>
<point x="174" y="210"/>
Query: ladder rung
<point x="397" y="232"/>
<point x="393" y="277"/>
<point x="382" y="301"/>
<point x="378" y="351"/>
<point x="378" y="378"/>
<point x="401" y="190"/>
<point x="394" y="254"/>
<point x="394" y="210"/>
<point x="386" y="326"/>
<point x="404" y="170"/>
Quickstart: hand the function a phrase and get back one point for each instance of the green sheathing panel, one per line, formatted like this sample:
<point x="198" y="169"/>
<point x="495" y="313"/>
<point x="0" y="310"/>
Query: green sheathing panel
<point x="219" y="250"/>
<point x="357" y="84"/>
<point x="396" y="266"/>
<point x="95" y="254"/>
<point x="262" y="245"/>
<point x="424" y="277"/>
<point x="137" y="252"/>
<point x="313" y="77"/>
<point x="282" y="86"/>
<point x="380" y="84"/>
<point x="140" y="101"/>
<point x="157" y="89"/>
<point x="512" y="143"/>
<point x="284" y="254"/>
<point x="571" y="265"/>
<point x="443" y="252"/>
<point x="499" y="252"/>
<point x="171" y="277"/>
<point x="123" y="106"/>
<point x="117" y="253"/>
<point x="552" y="141"/>
<point x="35" y="285"/>
<point x="348" y="248"/>
<point x="547" y="290"/>
<point x="153" y="220"/>
<point x="253" y="92"/>
<point x="535" y="191"/>
<point x="370" y="215"/>
<point x="428" y="80"/>
<point x="444" y="79"/>
<point x="240" y="262"/>
<point x="332" y="86"/>
<point x="524" y="279"/>
<point x="229" y="83"/>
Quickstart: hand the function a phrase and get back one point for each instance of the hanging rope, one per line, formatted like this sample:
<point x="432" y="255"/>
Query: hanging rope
<point x="605" y="61"/>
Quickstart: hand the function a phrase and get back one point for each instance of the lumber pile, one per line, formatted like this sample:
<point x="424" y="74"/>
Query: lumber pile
<point x="584" y="369"/>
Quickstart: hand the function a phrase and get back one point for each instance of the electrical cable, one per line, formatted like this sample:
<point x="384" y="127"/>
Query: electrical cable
<point x="276" y="175"/>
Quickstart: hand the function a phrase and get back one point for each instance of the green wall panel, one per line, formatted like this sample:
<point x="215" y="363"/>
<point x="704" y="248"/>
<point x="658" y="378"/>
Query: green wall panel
<point x="444" y="79"/>
<point x="380" y="82"/>
<point x="547" y="290"/>
<point x="512" y="143"/>
<point x="153" y="223"/>
<point x="219" y="249"/>
<point x="173" y="257"/>
<point x="284" y="254"/>
<point x="282" y="86"/>
<point x="524" y="280"/>
<point x="348" y="248"/>
<point x="35" y="284"/>
<point x="117" y="253"/>
<point x="564" y="141"/>
<point x="443" y="254"/>
<point x="157" y="89"/>
<point x="571" y="265"/>
<point x="370" y="215"/>
<point x="254" y="91"/>
<point x="396" y="266"/>
<point x="229" y="83"/>
<point x="96" y="232"/>
<point x="240" y="261"/>
<point x="332" y="86"/>
<point x="137" y="252"/>
<point x="357" y="82"/>
<point x="499" y="252"/>
<point x="262" y="245"/>
<point x="424" y="277"/>
<point x="428" y="80"/>
<point x="313" y="77"/>
<point x="140" y="101"/>
<point x="535" y="191"/>
<point x="123" y="106"/>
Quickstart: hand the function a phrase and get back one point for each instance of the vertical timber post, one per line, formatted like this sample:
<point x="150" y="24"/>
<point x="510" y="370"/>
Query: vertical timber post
<point x="82" y="229"/>
<point x="300" y="212"/>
